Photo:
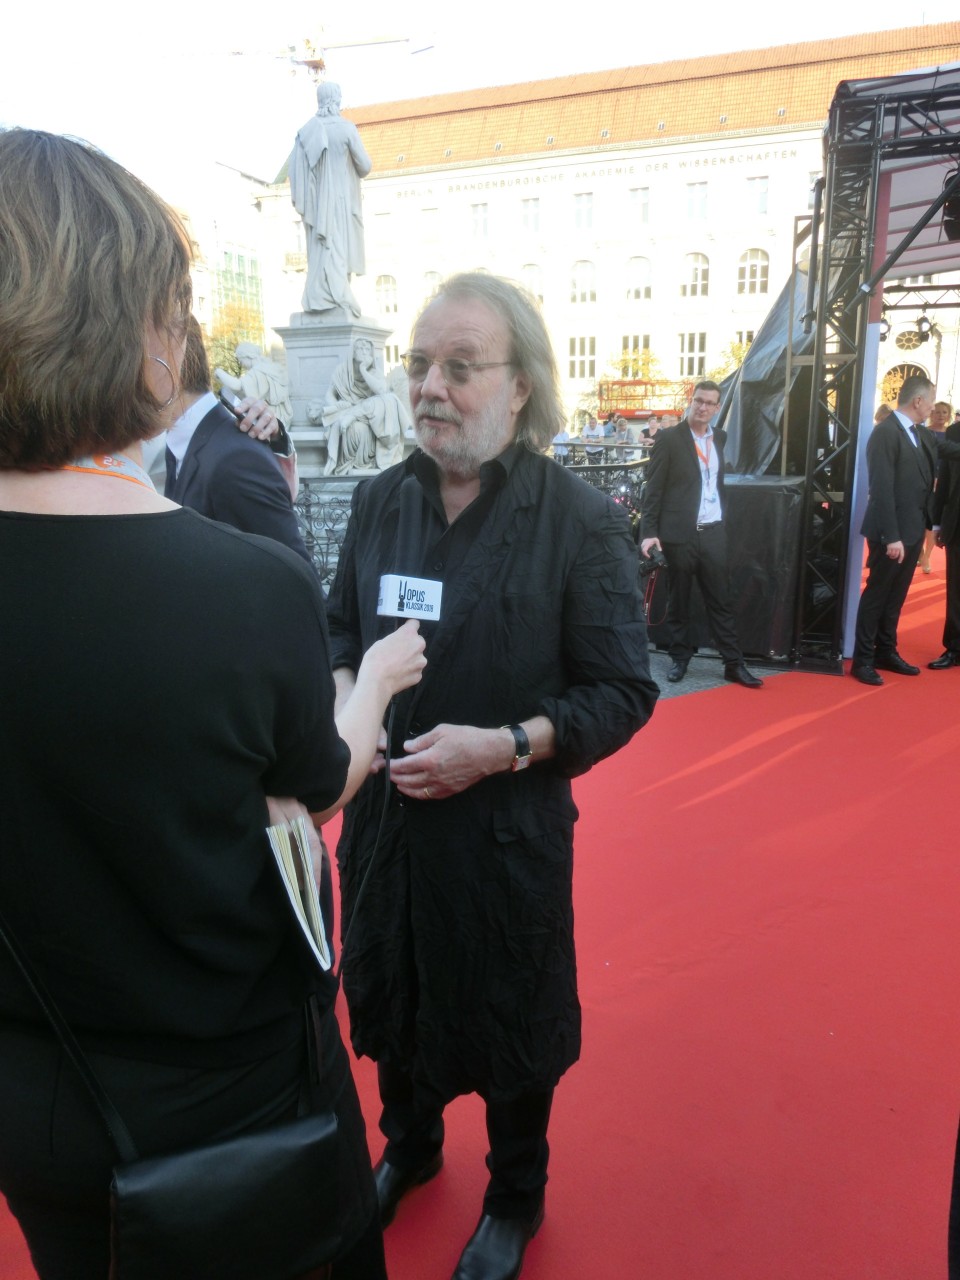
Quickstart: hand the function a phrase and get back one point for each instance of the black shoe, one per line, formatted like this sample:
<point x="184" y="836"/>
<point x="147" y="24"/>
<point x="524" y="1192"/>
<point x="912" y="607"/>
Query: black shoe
<point x="495" y="1250"/>
<point x="393" y="1183"/>
<point x="949" y="658"/>
<point x="738" y="674"/>
<point x="893" y="662"/>
<point x="866" y="674"/>
<point x="678" y="670"/>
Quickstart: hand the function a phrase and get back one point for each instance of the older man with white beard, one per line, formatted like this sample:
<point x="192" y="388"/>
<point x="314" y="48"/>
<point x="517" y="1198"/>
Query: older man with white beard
<point x="460" y="974"/>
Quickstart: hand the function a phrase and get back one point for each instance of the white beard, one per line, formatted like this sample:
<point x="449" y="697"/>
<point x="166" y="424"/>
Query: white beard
<point x="477" y="438"/>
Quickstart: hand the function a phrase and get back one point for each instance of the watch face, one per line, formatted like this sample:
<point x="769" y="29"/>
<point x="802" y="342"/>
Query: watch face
<point x="521" y="762"/>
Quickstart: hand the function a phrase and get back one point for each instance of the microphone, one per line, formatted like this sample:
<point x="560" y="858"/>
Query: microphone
<point x="401" y="594"/>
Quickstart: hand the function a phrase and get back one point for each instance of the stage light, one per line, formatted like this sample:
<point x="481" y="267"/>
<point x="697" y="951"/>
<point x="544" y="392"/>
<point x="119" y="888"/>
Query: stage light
<point x="951" y="210"/>
<point x="923" y="328"/>
<point x="884" y="328"/>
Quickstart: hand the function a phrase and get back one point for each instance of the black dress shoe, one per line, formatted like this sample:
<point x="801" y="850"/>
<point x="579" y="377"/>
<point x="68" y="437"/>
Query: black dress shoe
<point x="495" y="1250"/>
<point x="678" y="670"/>
<point x="393" y="1183"/>
<point x="866" y="674"/>
<point x="738" y="674"/>
<point x="893" y="662"/>
<point x="949" y="658"/>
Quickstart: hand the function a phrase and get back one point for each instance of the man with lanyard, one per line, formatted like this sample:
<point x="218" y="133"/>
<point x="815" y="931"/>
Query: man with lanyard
<point x="684" y="517"/>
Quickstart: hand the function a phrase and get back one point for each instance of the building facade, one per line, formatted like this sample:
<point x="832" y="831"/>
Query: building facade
<point x="653" y="210"/>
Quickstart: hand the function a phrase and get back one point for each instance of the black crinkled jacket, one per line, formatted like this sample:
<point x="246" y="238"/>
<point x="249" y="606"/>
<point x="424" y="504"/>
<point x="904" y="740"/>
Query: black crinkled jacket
<point x="462" y="964"/>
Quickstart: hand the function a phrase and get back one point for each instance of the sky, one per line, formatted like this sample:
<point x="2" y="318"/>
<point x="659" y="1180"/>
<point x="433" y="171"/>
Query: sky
<point x="172" y="89"/>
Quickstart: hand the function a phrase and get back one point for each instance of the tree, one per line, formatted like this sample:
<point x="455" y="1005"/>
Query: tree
<point x="234" y="322"/>
<point x="732" y="357"/>
<point x="638" y="363"/>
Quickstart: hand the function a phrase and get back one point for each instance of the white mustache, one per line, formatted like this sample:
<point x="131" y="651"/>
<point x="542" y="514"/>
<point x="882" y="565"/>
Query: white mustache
<point x="437" y="409"/>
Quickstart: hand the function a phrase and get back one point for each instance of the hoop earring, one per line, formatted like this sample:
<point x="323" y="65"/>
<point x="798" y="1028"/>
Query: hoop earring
<point x="173" y="382"/>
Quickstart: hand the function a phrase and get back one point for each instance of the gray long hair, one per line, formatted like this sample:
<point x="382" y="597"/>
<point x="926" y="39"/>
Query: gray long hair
<point x="531" y="351"/>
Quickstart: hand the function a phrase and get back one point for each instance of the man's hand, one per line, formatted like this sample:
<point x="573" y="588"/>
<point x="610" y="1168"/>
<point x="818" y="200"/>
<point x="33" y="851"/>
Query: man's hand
<point x="895" y="551"/>
<point x="650" y="543"/>
<point x="259" y="420"/>
<point x="449" y="759"/>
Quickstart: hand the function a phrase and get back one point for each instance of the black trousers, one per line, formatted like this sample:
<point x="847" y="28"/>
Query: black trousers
<point x="951" y="626"/>
<point x="516" y="1131"/>
<point x="878" y="613"/>
<point x="56" y="1160"/>
<point x="702" y="559"/>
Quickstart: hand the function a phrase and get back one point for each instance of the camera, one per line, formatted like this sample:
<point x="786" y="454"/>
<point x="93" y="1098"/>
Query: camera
<point x="650" y="564"/>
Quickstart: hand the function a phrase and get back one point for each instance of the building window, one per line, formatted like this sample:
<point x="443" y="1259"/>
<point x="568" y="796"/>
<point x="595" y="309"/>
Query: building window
<point x="431" y="223"/>
<point x="530" y="211"/>
<point x="914" y="282"/>
<point x="531" y="277"/>
<point x="583" y="357"/>
<point x="584" y="284"/>
<point x="696" y="272"/>
<point x="583" y="210"/>
<point x="640" y="204"/>
<point x="391" y="356"/>
<point x="634" y="347"/>
<point x="744" y="337"/>
<point x="693" y="355"/>
<point x="753" y="271"/>
<point x="386" y="294"/>
<point x="696" y="199"/>
<point x="478" y="221"/>
<point x="638" y="278"/>
<point x="757" y="189"/>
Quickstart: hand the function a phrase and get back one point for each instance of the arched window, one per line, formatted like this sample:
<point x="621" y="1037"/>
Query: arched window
<point x="386" y="294"/>
<point x="584" y="284"/>
<point x="753" y="272"/>
<point x="638" y="278"/>
<point x="696" y="277"/>
<point x="531" y="277"/>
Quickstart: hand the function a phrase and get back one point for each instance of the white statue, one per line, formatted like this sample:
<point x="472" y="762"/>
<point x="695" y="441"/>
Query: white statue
<point x="366" y="422"/>
<point x="326" y="166"/>
<point x="261" y="378"/>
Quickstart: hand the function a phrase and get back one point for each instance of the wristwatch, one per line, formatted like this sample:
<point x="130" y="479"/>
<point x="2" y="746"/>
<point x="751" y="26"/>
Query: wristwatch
<point x="524" y="754"/>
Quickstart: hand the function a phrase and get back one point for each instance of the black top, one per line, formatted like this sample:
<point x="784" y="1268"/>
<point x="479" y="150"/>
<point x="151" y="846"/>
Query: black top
<point x="159" y="675"/>
<point x="462" y="962"/>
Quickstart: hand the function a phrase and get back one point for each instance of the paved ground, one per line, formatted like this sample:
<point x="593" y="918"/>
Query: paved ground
<point x="704" y="672"/>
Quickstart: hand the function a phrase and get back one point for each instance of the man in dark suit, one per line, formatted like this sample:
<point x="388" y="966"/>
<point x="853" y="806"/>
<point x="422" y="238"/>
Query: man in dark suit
<point x="220" y="471"/>
<point x="946" y="522"/>
<point x="683" y="516"/>
<point x="901" y="464"/>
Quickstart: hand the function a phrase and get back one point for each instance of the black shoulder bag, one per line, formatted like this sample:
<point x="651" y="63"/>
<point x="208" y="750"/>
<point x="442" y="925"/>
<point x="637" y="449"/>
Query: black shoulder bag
<point x="262" y="1206"/>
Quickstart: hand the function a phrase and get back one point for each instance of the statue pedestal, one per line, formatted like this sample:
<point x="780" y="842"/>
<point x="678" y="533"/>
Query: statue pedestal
<point x="315" y="343"/>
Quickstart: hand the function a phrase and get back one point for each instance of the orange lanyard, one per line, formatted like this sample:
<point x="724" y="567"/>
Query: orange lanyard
<point x="112" y="464"/>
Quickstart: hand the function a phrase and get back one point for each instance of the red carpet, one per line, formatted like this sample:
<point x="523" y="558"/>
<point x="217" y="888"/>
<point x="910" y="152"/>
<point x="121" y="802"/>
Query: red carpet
<point x="768" y="922"/>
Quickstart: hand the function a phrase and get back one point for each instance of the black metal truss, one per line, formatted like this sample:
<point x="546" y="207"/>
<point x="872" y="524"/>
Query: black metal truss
<point x="862" y="132"/>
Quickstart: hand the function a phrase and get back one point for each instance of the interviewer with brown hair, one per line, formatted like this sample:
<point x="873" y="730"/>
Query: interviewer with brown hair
<point x="160" y="675"/>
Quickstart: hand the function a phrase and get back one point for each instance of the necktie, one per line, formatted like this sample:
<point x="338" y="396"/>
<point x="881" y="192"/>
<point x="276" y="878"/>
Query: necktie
<point x="171" y="473"/>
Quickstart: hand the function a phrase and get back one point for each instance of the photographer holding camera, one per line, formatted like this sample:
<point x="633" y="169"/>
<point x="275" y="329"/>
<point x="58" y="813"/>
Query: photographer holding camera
<point x="683" y="517"/>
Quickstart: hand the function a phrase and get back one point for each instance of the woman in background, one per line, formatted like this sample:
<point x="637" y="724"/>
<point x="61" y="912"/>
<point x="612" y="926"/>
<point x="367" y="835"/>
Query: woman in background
<point x="160" y="675"/>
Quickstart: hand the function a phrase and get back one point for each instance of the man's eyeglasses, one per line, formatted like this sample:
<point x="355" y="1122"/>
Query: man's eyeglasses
<point x="706" y="404"/>
<point x="455" y="373"/>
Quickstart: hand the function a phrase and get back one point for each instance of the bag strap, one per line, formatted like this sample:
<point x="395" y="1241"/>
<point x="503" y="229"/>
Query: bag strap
<point x="118" y="1131"/>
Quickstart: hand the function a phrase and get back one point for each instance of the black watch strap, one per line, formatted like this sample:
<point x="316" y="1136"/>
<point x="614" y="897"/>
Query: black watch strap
<point x="523" y="753"/>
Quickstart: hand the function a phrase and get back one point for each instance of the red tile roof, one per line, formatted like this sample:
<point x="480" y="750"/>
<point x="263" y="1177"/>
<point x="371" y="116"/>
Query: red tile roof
<point x="783" y="87"/>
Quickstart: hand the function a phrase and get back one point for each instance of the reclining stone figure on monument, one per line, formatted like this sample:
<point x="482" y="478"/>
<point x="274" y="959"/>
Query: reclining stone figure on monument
<point x="260" y="378"/>
<point x="366" y="421"/>
<point x="326" y="165"/>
